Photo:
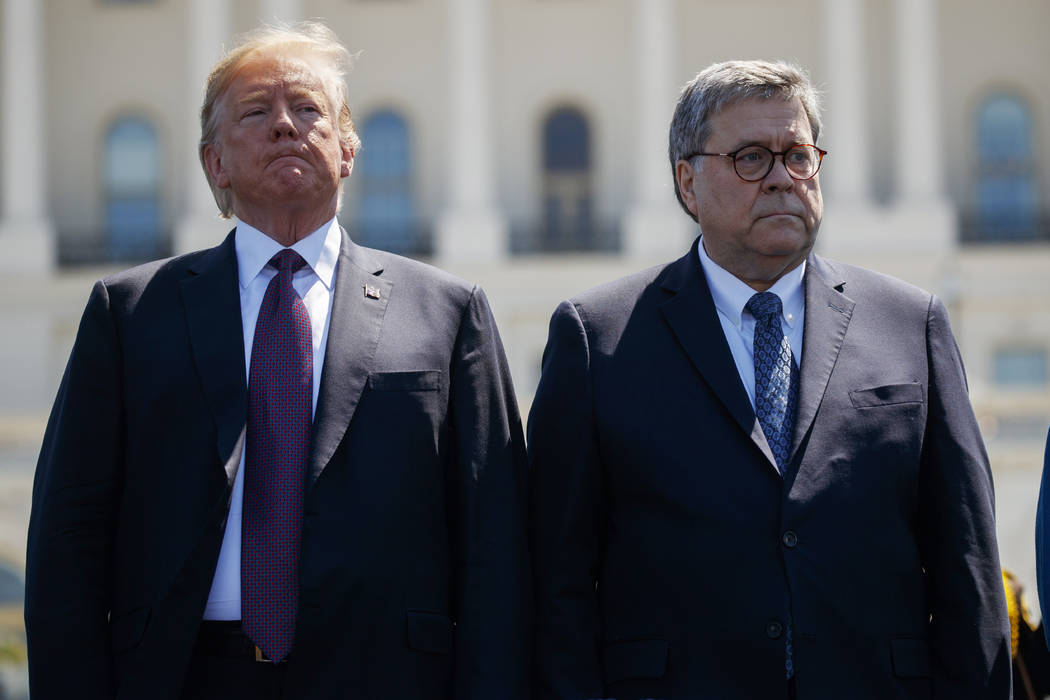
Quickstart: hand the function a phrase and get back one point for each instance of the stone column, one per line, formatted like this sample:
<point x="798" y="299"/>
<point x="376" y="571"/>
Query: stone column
<point x="913" y="236"/>
<point x="848" y="175"/>
<point x="209" y="29"/>
<point x="852" y="228"/>
<point x="280" y="10"/>
<point x="471" y="230"/>
<point x="928" y="218"/>
<point x="655" y="226"/>
<point x="919" y="154"/>
<point x="25" y="230"/>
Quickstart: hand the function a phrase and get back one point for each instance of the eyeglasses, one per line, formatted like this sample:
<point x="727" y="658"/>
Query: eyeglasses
<point x="753" y="163"/>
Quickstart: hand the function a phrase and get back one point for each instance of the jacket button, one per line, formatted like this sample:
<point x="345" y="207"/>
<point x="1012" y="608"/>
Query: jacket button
<point x="790" y="539"/>
<point x="774" y="629"/>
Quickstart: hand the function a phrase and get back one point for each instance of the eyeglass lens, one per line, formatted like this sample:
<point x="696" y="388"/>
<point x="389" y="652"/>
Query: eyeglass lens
<point x="755" y="162"/>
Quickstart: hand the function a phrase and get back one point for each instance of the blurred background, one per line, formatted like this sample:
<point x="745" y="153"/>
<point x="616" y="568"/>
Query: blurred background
<point x="522" y="144"/>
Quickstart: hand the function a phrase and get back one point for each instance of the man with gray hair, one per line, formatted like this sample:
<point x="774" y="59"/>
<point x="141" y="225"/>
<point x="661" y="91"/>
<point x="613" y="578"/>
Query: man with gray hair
<point x="755" y="472"/>
<point x="287" y="466"/>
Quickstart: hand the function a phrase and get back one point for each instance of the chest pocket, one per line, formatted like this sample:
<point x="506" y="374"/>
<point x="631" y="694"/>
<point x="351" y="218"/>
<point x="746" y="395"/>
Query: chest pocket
<point x="887" y="395"/>
<point x="415" y="380"/>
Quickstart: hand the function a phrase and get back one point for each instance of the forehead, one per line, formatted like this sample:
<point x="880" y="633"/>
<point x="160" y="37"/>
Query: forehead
<point x="276" y="70"/>
<point x="761" y="119"/>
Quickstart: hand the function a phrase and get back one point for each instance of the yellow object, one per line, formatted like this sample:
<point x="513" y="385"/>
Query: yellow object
<point x="1015" y="610"/>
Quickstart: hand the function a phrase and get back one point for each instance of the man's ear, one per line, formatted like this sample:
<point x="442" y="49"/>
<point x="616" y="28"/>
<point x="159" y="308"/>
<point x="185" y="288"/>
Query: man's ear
<point x="685" y="175"/>
<point x="347" y="165"/>
<point x="211" y="154"/>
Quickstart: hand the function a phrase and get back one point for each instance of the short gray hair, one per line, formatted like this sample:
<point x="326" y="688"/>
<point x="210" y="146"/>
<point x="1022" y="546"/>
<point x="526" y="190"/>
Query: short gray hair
<point x="731" y="81"/>
<point x="312" y="38"/>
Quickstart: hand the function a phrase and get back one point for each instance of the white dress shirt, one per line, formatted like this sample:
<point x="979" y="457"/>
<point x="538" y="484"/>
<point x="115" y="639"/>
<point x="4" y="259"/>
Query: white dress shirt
<point x="314" y="284"/>
<point x="731" y="295"/>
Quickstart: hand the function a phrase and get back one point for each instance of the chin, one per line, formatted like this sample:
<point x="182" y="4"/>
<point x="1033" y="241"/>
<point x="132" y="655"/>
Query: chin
<point x="785" y="243"/>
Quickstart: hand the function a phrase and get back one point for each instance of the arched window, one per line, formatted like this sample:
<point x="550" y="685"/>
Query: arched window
<point x="132" y="179"/>
<point x="385" y="215"/>
<point x="567" y="204"/>
<point x="1006" y="188"/>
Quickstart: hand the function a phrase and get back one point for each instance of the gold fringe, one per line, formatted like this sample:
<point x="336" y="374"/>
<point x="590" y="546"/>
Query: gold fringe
<point x="1013" y="609"/>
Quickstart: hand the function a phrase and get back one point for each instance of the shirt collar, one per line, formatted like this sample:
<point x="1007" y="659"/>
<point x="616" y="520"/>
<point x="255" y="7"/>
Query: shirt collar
<point x="254" y="249"/>
<point x="731" y="295"/>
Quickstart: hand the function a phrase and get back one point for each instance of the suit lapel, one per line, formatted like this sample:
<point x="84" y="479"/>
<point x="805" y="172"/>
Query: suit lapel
<point x="828" y="313"/>
<point x="694" y="322"/>
<point x="211" y="302"/>
<point x="357" y="316"/>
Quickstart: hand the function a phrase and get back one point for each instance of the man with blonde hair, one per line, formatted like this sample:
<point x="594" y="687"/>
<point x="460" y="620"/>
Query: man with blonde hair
<point x="755" y="472"/>
<point x="287" y="466"/>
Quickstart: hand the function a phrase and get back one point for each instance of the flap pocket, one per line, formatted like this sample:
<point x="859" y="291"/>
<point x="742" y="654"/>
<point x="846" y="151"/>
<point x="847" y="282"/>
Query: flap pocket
<point x="428" y="631"/>
<point x="887" y="395"/>
<point x="911" y="658"/>
<point x="127" y="628"/>
<point x="635" y="658"/>
<point x="416" y="380"/>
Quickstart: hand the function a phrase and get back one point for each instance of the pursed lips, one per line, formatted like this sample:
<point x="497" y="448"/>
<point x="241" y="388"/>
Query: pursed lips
<point x="780" y="213"/>
<point x="282" y="156"/>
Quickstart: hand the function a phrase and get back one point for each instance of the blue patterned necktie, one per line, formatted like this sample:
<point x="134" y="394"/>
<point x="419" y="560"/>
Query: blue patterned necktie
<point x="776" y="397"/>
<point x="280" y="413"/>
<point x="776" y="378"/>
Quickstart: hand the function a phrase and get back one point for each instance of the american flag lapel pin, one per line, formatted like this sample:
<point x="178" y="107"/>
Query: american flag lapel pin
<point x="371" y="292"/>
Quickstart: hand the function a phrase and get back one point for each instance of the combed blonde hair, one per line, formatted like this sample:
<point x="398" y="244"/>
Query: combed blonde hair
<point x="312" y="38"/>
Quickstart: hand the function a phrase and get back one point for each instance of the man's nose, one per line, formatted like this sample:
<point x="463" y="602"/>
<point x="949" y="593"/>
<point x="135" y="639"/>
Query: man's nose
<point x="283" y="124"/>
<point x="778" y="179"/>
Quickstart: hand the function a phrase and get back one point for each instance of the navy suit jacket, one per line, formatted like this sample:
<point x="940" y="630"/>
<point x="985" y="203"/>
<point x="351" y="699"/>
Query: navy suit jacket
<point x="669" y="553"/>
<point x="413" y="564"/>
<point x="1042" y="542"/>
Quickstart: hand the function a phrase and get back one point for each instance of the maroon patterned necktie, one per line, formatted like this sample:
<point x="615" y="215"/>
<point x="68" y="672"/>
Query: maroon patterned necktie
<point x="280" y="412"/>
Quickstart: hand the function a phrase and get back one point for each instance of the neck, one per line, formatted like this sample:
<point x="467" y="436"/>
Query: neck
<point x="759" y="274"/>
<point x="762" y="279"/>
<point x="759" y="285"/>
<point x="287" y="226"/>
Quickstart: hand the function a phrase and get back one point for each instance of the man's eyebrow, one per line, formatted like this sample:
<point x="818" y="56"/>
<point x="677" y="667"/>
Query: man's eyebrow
<point x="300" y="92"/>
<point x="744" y="143"/>
<point x="253" y="96"/>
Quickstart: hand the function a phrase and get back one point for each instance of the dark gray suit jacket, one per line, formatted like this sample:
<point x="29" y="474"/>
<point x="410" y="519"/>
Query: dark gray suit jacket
<point x="669" y="554"/>
<point x="413" y="564"/>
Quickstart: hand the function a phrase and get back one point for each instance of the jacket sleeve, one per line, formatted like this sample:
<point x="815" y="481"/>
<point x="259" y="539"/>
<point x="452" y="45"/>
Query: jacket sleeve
<point x="487" y="516"/>
<point x="71" y="526"/>
<point x="566" y="516"/>
<point x="969" y="627"/>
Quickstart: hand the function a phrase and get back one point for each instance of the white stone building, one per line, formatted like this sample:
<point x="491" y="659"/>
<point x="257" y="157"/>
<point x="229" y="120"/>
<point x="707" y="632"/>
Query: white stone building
<point x="522" y="144"/>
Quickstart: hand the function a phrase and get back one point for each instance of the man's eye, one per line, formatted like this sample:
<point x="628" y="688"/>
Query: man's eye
<point x="252" y="113"/>
<point x="750" y="156"/>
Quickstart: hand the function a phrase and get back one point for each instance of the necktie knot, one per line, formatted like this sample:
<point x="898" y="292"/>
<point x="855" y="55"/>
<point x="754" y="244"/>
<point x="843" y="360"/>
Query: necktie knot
<point x="287" y="261"/>
<point x="763" y="305"/>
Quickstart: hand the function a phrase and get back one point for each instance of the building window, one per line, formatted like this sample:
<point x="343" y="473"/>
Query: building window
<point x="568" y="217"/>
<point x="1021" y="368"/>
<point x="385" y="215"/>
<point x="1006" y="184"/>
<point x="132" y="182"/>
